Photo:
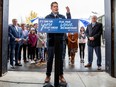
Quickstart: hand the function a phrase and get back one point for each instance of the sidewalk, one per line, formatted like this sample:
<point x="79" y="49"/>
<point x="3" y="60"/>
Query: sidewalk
<point x="74" y="79"/>
<point x="78" y="67"/>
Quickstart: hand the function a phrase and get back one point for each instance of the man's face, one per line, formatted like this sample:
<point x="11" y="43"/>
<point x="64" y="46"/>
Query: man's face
<point x="15" y="22"/>
<point x="94" y="19"/>
<point x="23" y="27"/>
<point x="54" y="8"/>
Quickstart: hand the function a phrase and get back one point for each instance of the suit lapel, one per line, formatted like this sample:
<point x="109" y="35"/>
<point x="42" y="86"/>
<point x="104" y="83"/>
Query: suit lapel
<point x="93" y="28"/>
<point x="15" y="29"/>
<point x="17" y="32"/>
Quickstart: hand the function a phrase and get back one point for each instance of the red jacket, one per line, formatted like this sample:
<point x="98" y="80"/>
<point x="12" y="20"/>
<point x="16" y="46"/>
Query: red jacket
<point x="32" y="39"/>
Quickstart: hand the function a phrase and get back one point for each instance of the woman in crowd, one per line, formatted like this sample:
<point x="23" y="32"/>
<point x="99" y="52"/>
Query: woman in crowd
<point x="41" y="43"/>
<point x="32" y="40"/>
<point x="82" y="42"/>
<point x="72" y="46"/>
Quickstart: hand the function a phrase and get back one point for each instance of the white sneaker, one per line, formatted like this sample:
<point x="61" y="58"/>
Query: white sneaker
<point x="99" y="68"/>
<point x="32" y="61"/>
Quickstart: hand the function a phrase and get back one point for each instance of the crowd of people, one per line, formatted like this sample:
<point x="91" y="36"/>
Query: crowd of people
<point x="27" y="44"/>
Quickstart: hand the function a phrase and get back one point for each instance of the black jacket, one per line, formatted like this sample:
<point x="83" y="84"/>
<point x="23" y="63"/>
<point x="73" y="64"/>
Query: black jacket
<point x="95" y="32"/>
<point x="50" y="36"/>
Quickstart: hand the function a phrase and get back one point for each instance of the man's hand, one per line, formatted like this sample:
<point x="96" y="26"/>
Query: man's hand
<point x="68" y="9"/>
<point x="91" y="38"/>
<point x="17" y="39"/>
<point x="24" y="40"/>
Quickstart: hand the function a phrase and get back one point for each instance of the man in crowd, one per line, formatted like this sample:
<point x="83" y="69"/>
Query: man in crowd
<point x="16" y="37"/>
<point x="24" y="44"/>
<point x="94" y="32"/>
<point x="51" y="36"/>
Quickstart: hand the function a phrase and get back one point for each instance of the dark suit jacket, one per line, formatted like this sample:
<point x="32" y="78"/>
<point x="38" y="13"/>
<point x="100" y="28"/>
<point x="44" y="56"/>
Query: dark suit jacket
<point x="13" y="34"/>
<point x="95" y="32"/>
<point x="50" y="36"/>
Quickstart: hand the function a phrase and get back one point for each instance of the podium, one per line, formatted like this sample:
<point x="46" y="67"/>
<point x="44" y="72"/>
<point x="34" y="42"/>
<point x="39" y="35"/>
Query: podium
<point x="58" y="53"/>
<point x="57" y="26"/>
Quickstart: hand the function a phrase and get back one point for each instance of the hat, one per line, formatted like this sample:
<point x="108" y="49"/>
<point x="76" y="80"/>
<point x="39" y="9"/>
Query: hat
<point x="32" y="29"/>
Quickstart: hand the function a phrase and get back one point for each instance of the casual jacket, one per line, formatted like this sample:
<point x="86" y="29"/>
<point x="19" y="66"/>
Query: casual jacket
<point x="32" y="40"/>
<point x="41" y="40"/>
<point x="73" y="37"/>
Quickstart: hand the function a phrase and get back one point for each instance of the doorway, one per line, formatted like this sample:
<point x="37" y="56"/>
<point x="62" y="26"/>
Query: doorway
<point x="108" y="44"/>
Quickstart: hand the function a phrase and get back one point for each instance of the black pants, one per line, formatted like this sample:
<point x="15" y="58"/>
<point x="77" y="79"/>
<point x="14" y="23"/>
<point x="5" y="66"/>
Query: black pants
<point x="51" y="52"/>
<point x="29" y="51"/>
<point x="37" y="53"/>
<point x="23" y="46"/>
<point x="32" y="52"/>
<point x="82" y="50"/>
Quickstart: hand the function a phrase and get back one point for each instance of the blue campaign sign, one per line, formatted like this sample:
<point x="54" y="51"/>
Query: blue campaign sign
<point x="58" y="25"/>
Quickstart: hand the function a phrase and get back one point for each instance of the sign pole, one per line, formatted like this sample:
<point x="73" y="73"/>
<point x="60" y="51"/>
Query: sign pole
<point x="57" y="61"/>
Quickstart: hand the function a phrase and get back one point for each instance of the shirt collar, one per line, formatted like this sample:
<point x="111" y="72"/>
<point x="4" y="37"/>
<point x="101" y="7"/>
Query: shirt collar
<point x="54" y="14"/>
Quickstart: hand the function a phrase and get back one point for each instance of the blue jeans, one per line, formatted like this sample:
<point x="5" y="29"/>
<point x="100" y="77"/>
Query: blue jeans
<point x="98" y="53"/>
<point x="41" y="53"/>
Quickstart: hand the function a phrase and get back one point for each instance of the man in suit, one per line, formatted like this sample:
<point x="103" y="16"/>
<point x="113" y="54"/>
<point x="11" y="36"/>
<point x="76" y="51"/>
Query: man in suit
<point x="51" y="36"/>
<point x="24" y="44"/>
<point x="94" y="32"/>
<point x="16" y="37"/>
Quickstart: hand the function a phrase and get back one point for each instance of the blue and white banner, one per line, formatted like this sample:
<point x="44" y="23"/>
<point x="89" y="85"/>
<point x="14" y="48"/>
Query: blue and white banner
<point x="58" y="25"/>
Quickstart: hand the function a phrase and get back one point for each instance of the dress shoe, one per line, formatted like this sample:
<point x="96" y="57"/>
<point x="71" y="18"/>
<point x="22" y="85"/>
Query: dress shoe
<point x="13" y="67"/>
<point x="17" y="64"/>
<point x="47" y="80"/>
<point x="61" y="78"/>
<point x="88" y="65"/>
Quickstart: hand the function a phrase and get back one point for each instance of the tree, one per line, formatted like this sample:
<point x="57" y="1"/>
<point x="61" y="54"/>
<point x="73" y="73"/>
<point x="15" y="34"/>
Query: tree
<point x="31" y="16"/>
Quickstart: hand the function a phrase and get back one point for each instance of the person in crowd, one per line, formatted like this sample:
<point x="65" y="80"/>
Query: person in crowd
<point x="41" y="45"/>
<point x="28" y="28"/>
<point x="64" y="46"/>
<point x="35" y="26"/>
<point x="18" y="25"/>
<point x="82" y="43"/>
<point x="45" y="49"/>
<point x="72" y="46"/>
<point x="28" y="47"/>
<point x="16" y="38"/>
<point x="24" y="44"/>
<point x="32" y="41"/>
<point x="50" y="41"/>
<point x="94" y="32"/>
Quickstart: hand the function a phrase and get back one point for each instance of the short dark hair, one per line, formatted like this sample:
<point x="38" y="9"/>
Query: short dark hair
<point x="35" y="24"/>
<point x="53" y="3"/>
<point x="23" y="24"/>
